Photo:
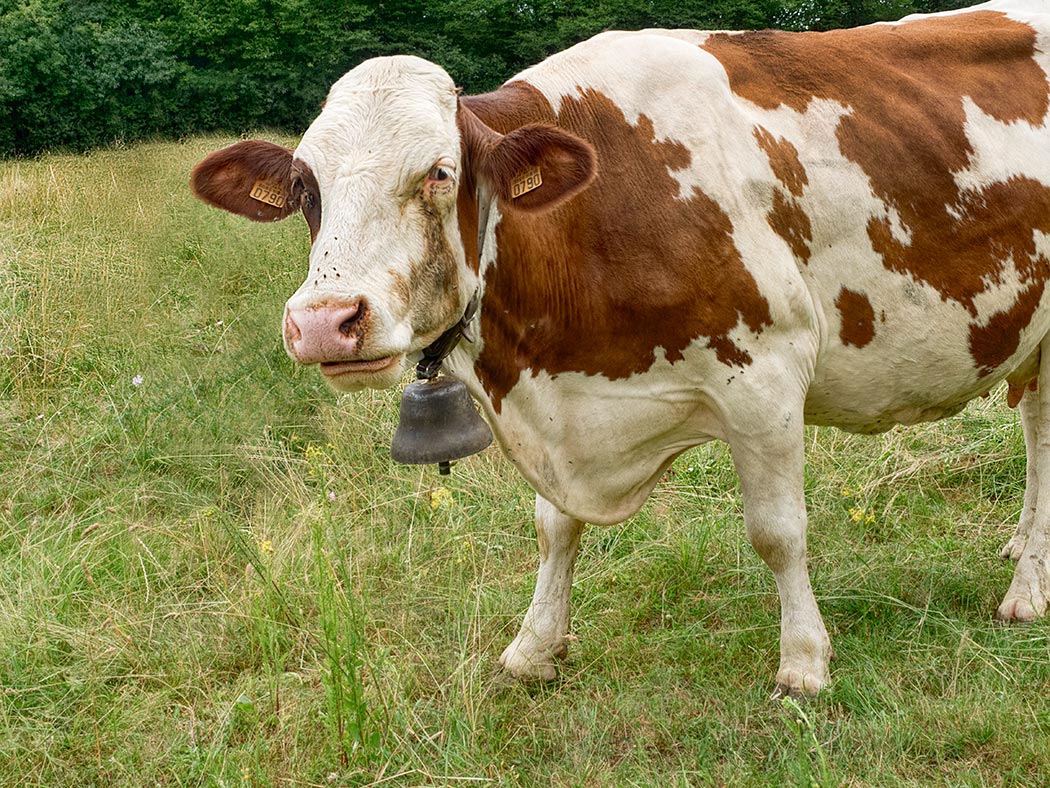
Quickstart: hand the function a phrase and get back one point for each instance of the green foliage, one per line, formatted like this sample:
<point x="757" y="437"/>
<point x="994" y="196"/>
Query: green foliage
<point x="71" y="75"/>
<point x="829" y="14"/>
<point x="86" y="73"/>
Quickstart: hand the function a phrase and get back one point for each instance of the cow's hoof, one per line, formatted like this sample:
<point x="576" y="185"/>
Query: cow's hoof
<point x="1019" y="611"/>
<point x="1012" y="550"/>
<point x="798" y="684"/>
<point x="526" y="659"/>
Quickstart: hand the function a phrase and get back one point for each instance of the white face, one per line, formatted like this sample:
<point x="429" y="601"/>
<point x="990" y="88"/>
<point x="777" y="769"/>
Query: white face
<point x="388" y="272"/>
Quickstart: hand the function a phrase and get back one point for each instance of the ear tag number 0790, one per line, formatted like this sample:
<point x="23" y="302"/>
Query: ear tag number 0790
<point x="525" y="181"/>
<point x="269" y="192"/>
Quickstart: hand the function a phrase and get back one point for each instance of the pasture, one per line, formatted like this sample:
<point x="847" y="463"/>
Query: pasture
<point x="212" y="574"/>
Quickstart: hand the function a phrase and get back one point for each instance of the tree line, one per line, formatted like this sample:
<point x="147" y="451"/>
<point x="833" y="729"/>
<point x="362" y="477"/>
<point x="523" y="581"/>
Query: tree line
<point x="77" y="74"/>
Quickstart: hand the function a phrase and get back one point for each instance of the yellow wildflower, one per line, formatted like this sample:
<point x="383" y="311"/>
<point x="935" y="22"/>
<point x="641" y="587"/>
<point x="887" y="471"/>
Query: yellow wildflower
<point x="439" y="497"/>
<point x="468" y="548"/>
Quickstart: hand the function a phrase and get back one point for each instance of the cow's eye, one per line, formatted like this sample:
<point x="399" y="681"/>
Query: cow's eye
<point x="439" y="174"/>
<point x="440" y="184"/>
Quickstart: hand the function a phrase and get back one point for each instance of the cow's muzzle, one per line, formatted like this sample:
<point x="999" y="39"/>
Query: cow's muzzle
<point x="331" y="332"/>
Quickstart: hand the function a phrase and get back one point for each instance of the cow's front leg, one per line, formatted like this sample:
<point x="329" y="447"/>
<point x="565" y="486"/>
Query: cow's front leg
<point x="770" y="466"/>
<point x="541" y="641"/>
<point x="1029" y="590"/>
<point x="1029" y="408"/>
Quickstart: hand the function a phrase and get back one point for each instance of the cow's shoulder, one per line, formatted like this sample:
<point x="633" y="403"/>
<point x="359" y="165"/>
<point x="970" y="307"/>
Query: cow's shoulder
<point x="644" y="266"/>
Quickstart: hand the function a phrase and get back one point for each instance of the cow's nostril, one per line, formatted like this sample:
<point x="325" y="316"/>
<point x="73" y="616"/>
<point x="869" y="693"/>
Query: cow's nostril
<point x="352" y="318"/>
<point x="292" y="331"/>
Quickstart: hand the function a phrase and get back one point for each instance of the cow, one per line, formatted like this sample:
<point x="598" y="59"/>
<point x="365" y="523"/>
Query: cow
<point x="675" y="236"/>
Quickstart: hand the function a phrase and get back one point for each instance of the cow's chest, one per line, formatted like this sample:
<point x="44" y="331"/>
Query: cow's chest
<point x="594" y="446"/>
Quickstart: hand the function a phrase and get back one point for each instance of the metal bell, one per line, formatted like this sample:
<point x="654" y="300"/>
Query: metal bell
<point x="438" y="424"/>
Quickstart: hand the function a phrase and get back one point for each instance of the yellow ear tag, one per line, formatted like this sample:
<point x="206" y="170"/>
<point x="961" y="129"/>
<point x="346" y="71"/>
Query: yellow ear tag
<point x="269" y="192"/>
<point x="525" y="181"/>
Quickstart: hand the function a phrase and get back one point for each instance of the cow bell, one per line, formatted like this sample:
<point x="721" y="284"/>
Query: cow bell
<point x="438" y="424"/>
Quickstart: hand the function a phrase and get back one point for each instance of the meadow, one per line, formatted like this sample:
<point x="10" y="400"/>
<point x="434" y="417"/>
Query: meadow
<point x="212" y="573"/>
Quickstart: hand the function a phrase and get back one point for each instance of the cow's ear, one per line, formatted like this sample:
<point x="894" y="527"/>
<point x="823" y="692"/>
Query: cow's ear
<point x="532" y="168"/>
<point x="251" y="178"/>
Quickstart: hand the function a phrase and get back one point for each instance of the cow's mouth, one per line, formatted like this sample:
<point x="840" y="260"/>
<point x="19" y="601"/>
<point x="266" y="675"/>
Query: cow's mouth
<point x="333" y="369"/>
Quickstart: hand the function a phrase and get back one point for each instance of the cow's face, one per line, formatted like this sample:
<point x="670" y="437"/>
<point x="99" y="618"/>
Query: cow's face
<point x="387" y="273"/>
<point x="382" y="177"/>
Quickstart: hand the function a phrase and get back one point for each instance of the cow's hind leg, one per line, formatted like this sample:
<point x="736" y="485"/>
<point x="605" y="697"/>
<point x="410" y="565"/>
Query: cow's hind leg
<point x="1029" y="408"/>
<point x="541" y="640"/>
<point x="1027" y="596"/>
<point x="770" y="467"/>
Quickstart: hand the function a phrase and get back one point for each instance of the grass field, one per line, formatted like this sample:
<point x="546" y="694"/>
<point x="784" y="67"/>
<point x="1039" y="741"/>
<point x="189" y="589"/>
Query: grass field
<point x="212" y="574"/>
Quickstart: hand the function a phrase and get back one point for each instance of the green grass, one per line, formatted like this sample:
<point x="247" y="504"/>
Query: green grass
<point x="218" y="577"/>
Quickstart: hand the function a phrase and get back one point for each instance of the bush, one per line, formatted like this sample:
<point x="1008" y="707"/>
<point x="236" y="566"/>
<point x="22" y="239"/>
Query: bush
<point x="76" y="74"/>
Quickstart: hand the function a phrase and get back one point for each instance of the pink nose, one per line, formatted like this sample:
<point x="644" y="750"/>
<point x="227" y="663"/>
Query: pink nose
<point x="324" y="333"/>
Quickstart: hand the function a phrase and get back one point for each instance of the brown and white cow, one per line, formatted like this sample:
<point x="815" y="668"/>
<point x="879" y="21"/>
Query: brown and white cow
<point x="736" y="234"/>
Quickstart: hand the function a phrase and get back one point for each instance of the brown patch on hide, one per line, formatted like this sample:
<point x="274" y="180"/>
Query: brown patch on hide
<point x="783" y="158"/>
<point x="630" y="265"/>
<point x="858" y="318"/>
<point x="905" y="87"/>
<point x="786" y="217"/>
<point x="467" y="216"/>
<point x="992" y="344"/>
<point x="791" y="223"/>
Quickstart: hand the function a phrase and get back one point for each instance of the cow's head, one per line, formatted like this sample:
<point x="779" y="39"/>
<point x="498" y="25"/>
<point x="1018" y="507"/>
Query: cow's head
<point x="386" y="179"/>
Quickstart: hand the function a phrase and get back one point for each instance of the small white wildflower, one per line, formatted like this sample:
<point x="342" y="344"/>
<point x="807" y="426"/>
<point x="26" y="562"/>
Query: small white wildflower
<point x="137" y="381"/>
<point x="331" y="495"/>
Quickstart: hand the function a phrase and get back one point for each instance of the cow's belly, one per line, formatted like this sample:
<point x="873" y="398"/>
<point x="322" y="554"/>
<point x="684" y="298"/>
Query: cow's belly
<point x="844" y="400"/>
<point x="926" y="357"/>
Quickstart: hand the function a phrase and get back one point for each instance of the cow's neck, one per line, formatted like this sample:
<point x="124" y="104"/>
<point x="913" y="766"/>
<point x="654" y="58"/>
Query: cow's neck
<point x="523" y="243"/>
<point x="514" y="105"/>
